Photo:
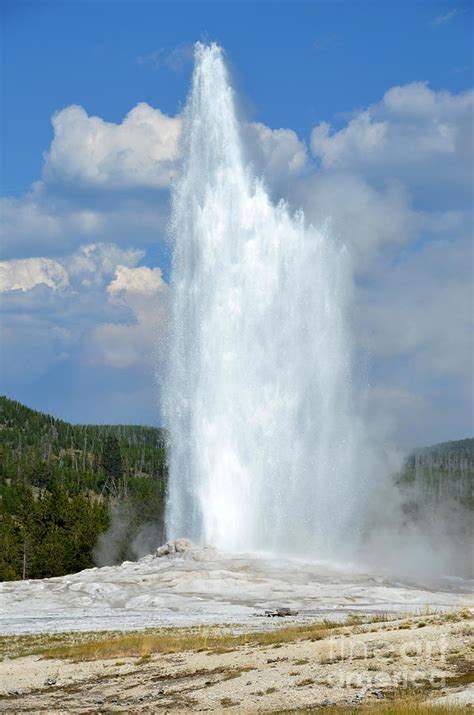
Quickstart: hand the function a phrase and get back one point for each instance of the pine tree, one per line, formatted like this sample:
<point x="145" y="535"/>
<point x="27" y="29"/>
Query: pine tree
<point x="112" y="466"/>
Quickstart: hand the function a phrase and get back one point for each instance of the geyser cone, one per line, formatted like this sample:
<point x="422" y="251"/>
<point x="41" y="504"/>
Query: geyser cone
<point x="259" y="405"/>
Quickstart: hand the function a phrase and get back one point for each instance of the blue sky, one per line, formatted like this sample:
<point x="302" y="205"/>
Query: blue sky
<point x="295" y="62"/>
<point x="373" y="100"/>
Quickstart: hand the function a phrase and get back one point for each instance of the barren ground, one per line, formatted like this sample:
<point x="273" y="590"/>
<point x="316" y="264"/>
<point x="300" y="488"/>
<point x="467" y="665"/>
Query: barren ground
<point x="353" y="665"/>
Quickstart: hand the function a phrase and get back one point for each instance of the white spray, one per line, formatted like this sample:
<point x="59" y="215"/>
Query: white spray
<point x="263" y="437"/>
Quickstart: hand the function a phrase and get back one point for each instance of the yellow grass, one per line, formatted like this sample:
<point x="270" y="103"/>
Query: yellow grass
<point x="93" y="646"/>
<point x="172" y="641"/>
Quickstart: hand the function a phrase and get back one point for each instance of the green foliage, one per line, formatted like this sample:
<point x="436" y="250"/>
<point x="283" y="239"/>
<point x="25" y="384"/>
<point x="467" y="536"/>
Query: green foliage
<point x="444" y="471"/>
<point x="60" y="484"/>
<point x="70" y="493"/>
<point x="44" y="450"/>
<point x="112" y="460"/>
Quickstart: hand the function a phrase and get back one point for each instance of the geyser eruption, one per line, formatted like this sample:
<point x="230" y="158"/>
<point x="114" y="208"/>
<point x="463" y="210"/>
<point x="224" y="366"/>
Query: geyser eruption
<point x="259" y="400"/>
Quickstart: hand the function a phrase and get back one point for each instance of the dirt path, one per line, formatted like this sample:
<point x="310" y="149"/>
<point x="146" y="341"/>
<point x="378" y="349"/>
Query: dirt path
<point x="357" y="664"/>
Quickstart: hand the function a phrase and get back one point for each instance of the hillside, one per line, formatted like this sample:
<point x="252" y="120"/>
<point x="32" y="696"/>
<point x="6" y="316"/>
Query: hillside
<point x="62" y="486"/>
<point x="72" y="496"/>
<point x="443" y="471"/>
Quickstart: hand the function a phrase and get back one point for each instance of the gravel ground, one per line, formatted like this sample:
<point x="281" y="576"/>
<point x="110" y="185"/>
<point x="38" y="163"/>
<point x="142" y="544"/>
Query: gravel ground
<point x="351" y="665"/>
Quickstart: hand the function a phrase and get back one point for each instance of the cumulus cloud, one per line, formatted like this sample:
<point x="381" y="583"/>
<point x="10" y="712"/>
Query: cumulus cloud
<point x="27" y="273"/>
<point x="42" y="223"/>
<point x="414" y="134"/>
<point x="105" y="182"/>
<point x="140" y="151"/>
<point x="396" y="182"/>
<point x="144" y="292"/>
<point x="411" y="123"/>
<point x="393" y="182"/>
<point x="143" y="150"/>
<point x="361" y="136"/>
<point x="276" y="153"/>
<point x="94" y="305"/>
<point x="86" y="268"/>
<point x="93" y="263"/>
<point x="141" y="281"/>
<point x="397" y="170"/>
<point x="34" y="222"/>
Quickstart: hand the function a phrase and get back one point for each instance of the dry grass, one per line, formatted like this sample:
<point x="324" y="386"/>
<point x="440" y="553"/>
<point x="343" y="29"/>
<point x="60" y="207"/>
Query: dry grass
<point x="167" y="641"/>
<point x="405" y="706"/>
<point x="306" y="681"/>
<point x="19" y="646"/>
<point x="228" y="702"/>
<point x="94" y="646"/>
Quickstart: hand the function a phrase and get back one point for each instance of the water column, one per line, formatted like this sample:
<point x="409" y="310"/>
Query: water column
<point x="262" y="432"/>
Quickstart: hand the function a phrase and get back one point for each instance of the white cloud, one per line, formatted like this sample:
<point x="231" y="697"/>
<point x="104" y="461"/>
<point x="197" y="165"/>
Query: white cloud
<point x="42" y="223"/>
<point x="145" y="293"/>
<point x="141" y="151"/>
<point x="416" y="321"/>
<point x="143" y="280"/>
<point x="361" y="136"/>
<point x="397" y="170"/>
<point x="24" y="217"/>
<point x="86" y="268"/>
<point x="395" y="182"/>
<point x="365" y="218"/>
<point x="421" y="310"/>
<point x="412" y="128"/>
<point x="37" y="224"/>
<point x="27" y="273"/>
<point x="93" y="305"/>
<point x="441" y="19"/>
<point x="105" y="182"/>
<point x="93" y="263"/>
<point x="277" y="153"/>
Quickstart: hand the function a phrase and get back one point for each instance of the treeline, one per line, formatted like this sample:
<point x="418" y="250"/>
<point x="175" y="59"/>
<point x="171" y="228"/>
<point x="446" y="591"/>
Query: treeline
<point x="63" y="487"/>
<point x="72" y="496"/>
<point x="441" y="472"/>
<point x="47" y="533"/>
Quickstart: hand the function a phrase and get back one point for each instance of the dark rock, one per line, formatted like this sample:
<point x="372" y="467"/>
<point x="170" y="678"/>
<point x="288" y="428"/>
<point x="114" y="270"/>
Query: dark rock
<point x="281" y="612"/>
<point x="50" y="681"/>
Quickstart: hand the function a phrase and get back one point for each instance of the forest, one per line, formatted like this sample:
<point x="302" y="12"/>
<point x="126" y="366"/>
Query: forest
<point x="64" y="487"/>
<point x="441" y="472"/>
<point x="75" y="496"/>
